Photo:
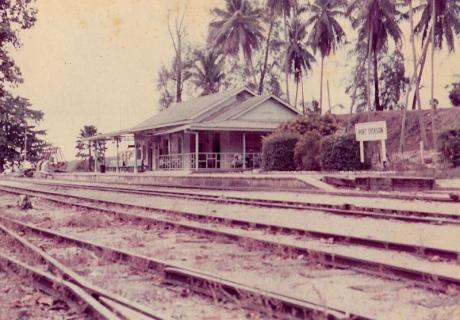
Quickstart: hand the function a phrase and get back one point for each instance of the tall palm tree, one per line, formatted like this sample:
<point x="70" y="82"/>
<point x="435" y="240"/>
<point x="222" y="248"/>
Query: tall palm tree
<point x="299" y="59"/>
<point x="237" y="27"/>
<point x="326" y="33"/>
<point x="440" y="19"/>
<point x="86" y="132"/>
<point x="285" y="8"/>
<point x="376" y="22"/>
<point x="207" y="70"/>
<point x="413" y="81"/>
<point x="447" y="17"/>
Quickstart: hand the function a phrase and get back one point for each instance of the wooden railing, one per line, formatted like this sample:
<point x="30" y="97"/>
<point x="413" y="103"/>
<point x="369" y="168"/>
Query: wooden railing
<point x="209" y="160"/>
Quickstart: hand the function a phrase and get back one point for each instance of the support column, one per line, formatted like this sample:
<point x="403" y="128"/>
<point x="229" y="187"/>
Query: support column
<point x="95" y="156"/>
<point x="361" y="151"/>
<point x="384" y="150"/>
<point x="135" y="156"/>
<point x="244" y="150"/>
<point x="169" y="144"/>
<point x="118" y="160"/>
<point x="197" y="147"/>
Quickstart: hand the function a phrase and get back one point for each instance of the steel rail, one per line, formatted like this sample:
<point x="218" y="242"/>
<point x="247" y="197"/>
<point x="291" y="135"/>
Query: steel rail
<point x="198" y="281"/>
<point x="53" y="283"/>
<point x="90" y="290"/>
<point x="344" y="210"/>
<point x="338" y="238"/>
<point x="432" y="280"/>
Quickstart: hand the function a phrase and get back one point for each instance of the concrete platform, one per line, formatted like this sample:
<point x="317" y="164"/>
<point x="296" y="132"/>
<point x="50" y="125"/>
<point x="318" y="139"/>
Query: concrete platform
<point x="233" y="181"/>
<point x="389" y="183"/>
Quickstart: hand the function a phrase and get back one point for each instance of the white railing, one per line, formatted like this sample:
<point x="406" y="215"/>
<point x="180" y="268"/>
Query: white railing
<point x="209" y="160"/>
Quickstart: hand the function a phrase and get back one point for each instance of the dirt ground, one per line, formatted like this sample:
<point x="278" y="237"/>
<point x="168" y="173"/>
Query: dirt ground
<point x="294" y="277"/>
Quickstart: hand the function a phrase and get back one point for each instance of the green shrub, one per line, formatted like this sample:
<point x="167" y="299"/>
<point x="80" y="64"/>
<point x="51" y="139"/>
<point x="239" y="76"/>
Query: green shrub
<point x="341" y="152"/>
<point x="307" y="151"/>
<point x="278" y="151"/>
<point x="454" y="94"/>
<point x="449" y="146"/>
<point x="324" y="124"/>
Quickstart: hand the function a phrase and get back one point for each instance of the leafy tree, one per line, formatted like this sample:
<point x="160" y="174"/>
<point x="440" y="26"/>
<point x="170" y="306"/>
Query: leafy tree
<point x="454" y="94"/>
<point x="16" y="135"/>
<point x="358" y="85"/>
<point x="169" y="80"/>
<point x="14" y="16"/>
<point x="16" y="115"/>
<point x="393" y="80"/>
<point x="326" y="33"/>
<point x="376" y="22"/>
<point x="237" y="27"/>
<point x="299" y="58"/>
<point x="207" y="71"/>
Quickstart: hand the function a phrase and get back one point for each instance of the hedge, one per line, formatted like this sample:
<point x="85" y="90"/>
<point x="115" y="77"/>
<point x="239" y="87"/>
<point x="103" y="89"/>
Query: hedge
<point x="307" y="151"/>
<point x="449" y="145"/>
<point x="278" y="151"/>
<point x="341" y="152"/>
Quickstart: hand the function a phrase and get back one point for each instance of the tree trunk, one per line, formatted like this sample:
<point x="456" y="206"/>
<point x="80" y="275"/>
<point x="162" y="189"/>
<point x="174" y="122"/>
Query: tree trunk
<point x="286" y="62"/>
<point x="253" y="71"/>
<point x="353" y="97"/>
<point x="378" y="107"/>
<point x="422" y="66"/>
<point x="321" y="87"/>
<point x="433" y="45"/>
<point x="369" y="52"/>
<point x="303" y="98"/>
<point x="89" y="155"/>
<point x="267" y="49"/>
<point x="179" y="72"/>
<point x="421" y="120"/>
<point x="296" y="92"/>
<point x="2" y="163"/>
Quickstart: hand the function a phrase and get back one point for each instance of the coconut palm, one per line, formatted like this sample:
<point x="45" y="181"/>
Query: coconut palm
<point x="446" y="17"/>
<point x="207" y="70"/>
<point x="86" y="132"/>
<point x="376" y="22"/>
<point x="284" y="8"/>
<point x="326" y="33"/>
<point x="237" y="27"/>
<point x="299" y="59"/>
<point x="413" y="81"/>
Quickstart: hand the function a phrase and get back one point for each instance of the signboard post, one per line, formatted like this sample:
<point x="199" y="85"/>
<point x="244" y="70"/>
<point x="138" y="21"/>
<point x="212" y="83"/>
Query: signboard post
<point x="371" y="131"/>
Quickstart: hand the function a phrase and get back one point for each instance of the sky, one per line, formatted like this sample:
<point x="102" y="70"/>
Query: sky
<point x="96" y="62"/>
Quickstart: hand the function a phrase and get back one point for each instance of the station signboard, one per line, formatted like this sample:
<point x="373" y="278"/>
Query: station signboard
<point x="371" y="131"/>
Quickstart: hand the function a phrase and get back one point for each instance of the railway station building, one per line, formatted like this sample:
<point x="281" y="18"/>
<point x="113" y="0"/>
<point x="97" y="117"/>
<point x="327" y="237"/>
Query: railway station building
<point x="222" y="131"/>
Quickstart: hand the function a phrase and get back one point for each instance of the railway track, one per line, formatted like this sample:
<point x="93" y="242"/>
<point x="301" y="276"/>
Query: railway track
<point x="343" y="210"/>
<point x="428" y="276"/>
<point x="99" y="302"/>
<point x="280" y="306"/>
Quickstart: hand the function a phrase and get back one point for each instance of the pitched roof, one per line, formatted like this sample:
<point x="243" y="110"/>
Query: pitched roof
<point x="186" y="111"/>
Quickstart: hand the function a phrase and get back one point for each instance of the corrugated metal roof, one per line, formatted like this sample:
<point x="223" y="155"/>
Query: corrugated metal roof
<point x="185" y="111"/>
<point x="109" y="135"/>
<point x="230" y="112"/>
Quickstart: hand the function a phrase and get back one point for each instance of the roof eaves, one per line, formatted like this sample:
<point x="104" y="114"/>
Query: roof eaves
<point x="145" y="128"/>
